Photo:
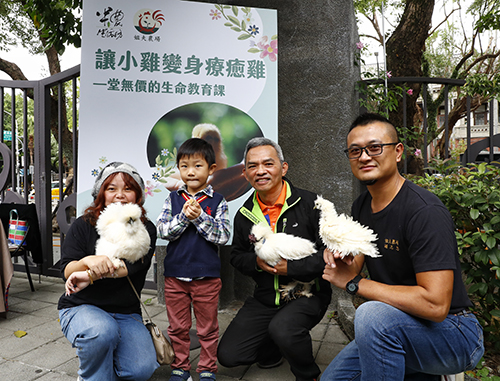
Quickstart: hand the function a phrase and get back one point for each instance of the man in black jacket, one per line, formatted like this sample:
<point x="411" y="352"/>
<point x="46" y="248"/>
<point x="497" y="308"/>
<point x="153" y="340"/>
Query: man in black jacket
<point x="272" y="325"/>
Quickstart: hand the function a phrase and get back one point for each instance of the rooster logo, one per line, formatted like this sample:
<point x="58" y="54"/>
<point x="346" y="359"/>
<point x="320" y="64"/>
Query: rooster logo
<point x="147" y="21"/>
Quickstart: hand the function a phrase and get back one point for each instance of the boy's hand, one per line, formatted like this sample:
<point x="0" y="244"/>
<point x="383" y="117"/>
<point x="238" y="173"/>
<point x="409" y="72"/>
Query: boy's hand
<point x="191" y="209"/>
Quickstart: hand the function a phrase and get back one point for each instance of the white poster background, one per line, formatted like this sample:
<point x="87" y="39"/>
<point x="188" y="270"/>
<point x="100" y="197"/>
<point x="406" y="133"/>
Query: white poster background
<point x="124" y="92"/>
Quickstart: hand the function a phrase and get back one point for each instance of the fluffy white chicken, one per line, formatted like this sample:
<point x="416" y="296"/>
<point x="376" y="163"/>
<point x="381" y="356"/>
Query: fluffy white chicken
<point x="341" y="233"/>
<point x="271" y="247"/>
<point x="122" y="233"/>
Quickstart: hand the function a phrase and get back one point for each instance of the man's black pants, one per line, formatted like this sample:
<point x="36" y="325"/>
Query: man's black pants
<point x="260" y="333"/>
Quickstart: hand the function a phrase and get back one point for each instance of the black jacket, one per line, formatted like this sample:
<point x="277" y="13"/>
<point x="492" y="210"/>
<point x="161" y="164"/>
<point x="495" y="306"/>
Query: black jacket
<point x="298" y="217"/>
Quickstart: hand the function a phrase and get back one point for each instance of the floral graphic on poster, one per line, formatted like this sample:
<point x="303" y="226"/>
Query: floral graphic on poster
<point x="243" y="25"/>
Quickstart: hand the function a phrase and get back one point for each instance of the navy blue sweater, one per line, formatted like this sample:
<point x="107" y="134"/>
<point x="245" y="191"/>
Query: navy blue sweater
<point x="191" y="255"/>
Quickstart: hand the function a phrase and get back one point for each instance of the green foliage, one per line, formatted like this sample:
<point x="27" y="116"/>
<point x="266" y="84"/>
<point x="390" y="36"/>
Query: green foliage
<point x="58" y="22"/>
<point x="441" y="54"/>
<point x="18" y="114"/>
<point x="40" y="24"/>
<point x="16" y="28"/>
<point x="480" y="84"/>
<point x="472" y="195"/>
<point x="488" y="12"/>
<point x="482" y="373"/>
<point x="375" y="97"/>
<point x="20" y="122"/>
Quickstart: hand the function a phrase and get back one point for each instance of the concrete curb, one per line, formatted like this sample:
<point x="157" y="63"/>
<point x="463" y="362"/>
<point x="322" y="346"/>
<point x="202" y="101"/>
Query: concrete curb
<point x="345" y="312"/>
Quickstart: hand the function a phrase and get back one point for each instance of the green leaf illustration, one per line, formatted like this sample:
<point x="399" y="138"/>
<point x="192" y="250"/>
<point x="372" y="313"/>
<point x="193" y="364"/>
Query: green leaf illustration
<point x="234" y="20"/>
<point x="244" y="36"/>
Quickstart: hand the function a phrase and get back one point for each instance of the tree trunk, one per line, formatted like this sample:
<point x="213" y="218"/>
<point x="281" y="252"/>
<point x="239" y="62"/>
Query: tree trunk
<point x="404" y="51"/>
<point x="53" y="59"/>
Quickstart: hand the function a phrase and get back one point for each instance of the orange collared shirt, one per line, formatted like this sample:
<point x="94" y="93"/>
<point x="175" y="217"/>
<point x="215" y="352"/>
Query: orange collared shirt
<point x="273" y="212"/>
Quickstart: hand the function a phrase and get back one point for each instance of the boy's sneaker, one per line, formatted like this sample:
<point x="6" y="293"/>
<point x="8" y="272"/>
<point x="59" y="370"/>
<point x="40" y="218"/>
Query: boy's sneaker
<point x="207" y="376"/>
<point x="180" y="375"/>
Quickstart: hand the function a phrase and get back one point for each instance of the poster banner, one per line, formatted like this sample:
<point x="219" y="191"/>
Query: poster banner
<point x="157" y="72"/>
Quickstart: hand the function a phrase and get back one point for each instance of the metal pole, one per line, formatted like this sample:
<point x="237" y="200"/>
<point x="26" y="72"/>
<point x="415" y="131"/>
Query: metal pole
<point x="383" y="45"/>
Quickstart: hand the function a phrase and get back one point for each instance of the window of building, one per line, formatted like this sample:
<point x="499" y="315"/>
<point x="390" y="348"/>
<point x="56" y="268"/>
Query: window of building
<point x="481" y="115"/>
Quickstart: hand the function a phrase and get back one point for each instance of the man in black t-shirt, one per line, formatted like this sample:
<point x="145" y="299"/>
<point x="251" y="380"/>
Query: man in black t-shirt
<point x="416" y="324"/>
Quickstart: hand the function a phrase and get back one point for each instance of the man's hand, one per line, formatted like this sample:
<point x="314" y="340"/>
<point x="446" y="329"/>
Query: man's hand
<point x="338" y="271"/>
<point x="264" y="265"/>
<point x="339" y="274"/>
<point x="281" y="268"/>
<point x="330" y="258"/>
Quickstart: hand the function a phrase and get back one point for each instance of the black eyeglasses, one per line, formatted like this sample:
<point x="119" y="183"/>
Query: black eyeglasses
<point x="371" y="150"/>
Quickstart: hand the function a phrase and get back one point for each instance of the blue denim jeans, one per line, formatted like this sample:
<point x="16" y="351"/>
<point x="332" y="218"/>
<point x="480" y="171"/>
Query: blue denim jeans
<point x="109" y="346"/>
<point x="392" y="345"/>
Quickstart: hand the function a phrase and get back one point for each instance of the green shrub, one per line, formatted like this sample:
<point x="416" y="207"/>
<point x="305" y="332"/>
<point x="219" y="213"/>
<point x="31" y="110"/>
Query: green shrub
<point x="472" y="195"/>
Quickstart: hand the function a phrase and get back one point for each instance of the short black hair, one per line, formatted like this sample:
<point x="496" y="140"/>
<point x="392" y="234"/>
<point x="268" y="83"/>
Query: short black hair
<point x="196" y="146"/>
<point x="369" y="118"/>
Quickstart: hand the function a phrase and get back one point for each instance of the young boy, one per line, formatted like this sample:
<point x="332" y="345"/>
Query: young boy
<point x="195" y="220"/>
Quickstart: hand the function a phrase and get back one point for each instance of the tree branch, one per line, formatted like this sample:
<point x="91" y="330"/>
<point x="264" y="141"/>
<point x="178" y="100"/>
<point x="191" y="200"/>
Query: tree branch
<point x="442" y="22"/>
<point x="12" y="70"/>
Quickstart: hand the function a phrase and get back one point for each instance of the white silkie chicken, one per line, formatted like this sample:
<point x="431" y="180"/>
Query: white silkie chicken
<point x="272" y="247"/>
<point x="341" y="233"/>
<point x="122" y="233"/>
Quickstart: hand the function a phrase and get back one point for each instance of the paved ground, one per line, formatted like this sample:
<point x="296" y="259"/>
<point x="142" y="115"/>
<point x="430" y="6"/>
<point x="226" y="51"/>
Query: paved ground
<point x="44" y="353"/>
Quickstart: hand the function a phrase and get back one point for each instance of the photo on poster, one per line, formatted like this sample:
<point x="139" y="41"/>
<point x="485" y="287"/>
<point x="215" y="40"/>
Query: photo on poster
<point x="226" y="128"/>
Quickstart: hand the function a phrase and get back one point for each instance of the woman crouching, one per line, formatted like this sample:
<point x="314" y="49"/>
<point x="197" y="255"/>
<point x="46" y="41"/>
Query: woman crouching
<point x="100" y="314"/>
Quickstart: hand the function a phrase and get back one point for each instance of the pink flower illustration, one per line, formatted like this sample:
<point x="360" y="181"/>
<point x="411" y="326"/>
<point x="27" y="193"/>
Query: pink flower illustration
<point x="262" y="43"/>
<point x="359" y="45"/>
<point x="215" y="14"/>
<point x="270" y="50"/>
<point x="410" y="92"/>
<point x="149" y="188"/>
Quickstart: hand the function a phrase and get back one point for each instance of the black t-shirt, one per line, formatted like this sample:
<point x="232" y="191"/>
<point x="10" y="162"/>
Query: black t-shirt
<point x="415" y="234"/>
<point x="111" y="295"/>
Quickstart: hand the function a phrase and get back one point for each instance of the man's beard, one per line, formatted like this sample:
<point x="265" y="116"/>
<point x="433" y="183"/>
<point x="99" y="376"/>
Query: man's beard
<point x="369" y="182"/>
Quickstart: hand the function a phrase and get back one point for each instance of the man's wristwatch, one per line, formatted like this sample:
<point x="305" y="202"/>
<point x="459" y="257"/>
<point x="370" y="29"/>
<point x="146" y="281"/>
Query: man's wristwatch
<point x="352" y="285"/>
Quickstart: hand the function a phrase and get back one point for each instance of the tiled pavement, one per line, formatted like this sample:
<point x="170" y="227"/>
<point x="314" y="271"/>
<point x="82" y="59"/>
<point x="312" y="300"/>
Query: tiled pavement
<point x="44" y="353"/>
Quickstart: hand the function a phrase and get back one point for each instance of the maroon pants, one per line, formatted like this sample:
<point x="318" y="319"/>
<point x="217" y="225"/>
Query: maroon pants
<point x="203" y="295"/>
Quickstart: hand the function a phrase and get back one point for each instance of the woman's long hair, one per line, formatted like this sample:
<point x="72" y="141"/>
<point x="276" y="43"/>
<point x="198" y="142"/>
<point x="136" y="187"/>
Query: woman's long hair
<point x="92" y="213"/>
